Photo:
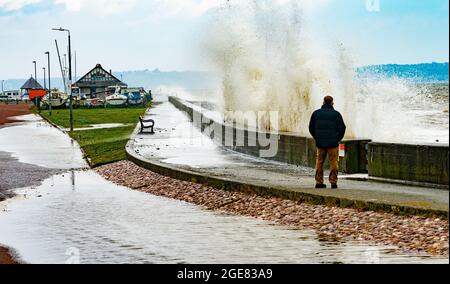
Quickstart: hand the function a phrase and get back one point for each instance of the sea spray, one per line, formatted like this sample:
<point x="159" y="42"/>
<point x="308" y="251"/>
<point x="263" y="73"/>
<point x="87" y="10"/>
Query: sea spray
<point x="269" y="61"/>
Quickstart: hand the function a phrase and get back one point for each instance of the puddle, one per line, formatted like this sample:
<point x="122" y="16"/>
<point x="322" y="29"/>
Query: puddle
<point x="81" y="215"/>
<point x="78" y="216"/>
<point x="177" y="142"/>
<point x="38" y="143"/>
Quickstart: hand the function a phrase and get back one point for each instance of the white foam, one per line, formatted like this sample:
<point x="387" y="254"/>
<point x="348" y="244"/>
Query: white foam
<point x="269" y="60"/>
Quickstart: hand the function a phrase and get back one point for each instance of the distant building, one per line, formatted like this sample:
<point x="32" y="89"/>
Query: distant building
<point x="33" y="89"/>
<point x="97" y="82"/>
<point x="13" y="95"/>
<point x="31" y="84"/>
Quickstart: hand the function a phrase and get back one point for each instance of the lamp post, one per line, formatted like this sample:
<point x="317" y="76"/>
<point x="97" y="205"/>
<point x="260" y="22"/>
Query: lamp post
<point x="49" y="84"/>
<point x="45" y="79"/>
<point x="65" y="63"/>
<point x="45" y="83"/>
<point x="2" y="86"/>
<point x="70" y="76"/>
<point x="35" y="74"/>
<point x="36" y="101"/>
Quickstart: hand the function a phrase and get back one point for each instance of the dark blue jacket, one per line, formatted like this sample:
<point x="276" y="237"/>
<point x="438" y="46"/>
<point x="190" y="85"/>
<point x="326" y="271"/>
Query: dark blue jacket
<point x="327" y="127"/>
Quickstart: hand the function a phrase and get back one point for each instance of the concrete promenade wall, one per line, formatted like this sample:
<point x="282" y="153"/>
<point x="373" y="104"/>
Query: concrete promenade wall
<point x="420" y="163"/>
<point x="292" y="149"/>
<point x="415" y="164"/>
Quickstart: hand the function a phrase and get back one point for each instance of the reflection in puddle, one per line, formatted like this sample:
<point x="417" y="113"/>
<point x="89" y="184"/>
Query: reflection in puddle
<point x="37" y="142"/>
<point x="80" y="216"/>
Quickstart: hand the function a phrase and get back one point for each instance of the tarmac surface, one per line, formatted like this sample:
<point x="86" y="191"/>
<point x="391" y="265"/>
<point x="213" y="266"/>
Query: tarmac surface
<point x="178" y="145"/>
<point x="14" y="174"/>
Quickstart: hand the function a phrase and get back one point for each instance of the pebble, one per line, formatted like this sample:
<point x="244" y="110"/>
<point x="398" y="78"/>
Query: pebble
<point x="409" y="234"/>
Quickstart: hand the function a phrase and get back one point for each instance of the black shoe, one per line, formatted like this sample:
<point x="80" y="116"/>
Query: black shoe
<point x="334" y="186"/>
<point x="321" y="186"/>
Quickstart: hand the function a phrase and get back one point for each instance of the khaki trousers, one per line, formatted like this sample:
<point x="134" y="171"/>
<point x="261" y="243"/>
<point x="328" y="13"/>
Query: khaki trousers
<point x="333" y="154"/>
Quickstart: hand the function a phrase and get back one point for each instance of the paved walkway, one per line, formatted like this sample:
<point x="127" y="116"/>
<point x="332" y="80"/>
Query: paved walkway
<point x="179" y="147"/>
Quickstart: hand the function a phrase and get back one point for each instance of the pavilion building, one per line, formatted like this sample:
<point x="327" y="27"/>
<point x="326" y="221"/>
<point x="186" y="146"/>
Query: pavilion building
<point x="98" y="83"/>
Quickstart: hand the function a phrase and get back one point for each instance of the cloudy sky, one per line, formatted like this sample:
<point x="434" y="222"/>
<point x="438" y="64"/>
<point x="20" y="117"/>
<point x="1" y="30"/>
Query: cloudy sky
<point x="166" y="34"/>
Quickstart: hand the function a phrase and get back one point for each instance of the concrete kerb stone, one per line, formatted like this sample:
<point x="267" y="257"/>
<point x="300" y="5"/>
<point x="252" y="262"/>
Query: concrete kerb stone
<point x="351" y="164"/>
<point x="298" y="196"/>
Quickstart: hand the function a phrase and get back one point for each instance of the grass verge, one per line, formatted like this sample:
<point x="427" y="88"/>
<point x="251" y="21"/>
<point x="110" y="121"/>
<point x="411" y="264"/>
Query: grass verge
<point x="87" y="117"/>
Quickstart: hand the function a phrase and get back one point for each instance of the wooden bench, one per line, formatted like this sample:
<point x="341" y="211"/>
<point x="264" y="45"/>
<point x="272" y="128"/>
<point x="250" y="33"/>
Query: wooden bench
<point x="147" y="124"/>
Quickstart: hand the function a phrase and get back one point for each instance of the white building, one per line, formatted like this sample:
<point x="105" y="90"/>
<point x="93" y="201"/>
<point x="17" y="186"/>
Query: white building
<point x="14" y="95"/>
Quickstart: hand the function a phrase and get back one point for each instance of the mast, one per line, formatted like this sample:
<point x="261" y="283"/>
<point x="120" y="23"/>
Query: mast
<point x="75" y="78"/>
<point x="61" y="66"/>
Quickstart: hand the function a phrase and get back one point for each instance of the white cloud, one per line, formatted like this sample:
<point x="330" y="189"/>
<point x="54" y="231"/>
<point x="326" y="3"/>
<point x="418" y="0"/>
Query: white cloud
<point x="164" y="8"/>
<point x="99" y="6"/>
<point x="71" y="5"/>
<point x="187" y="8"/>
<point x="14" y="5"/>
<point x="103" y="7"/>
<point x="195" y="8"/>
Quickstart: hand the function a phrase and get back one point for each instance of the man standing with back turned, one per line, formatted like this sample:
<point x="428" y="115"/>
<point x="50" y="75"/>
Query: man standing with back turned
<point x="328" y="129"/>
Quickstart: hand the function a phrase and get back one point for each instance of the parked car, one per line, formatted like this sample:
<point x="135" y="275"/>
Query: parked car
<point x="4" y="98"/>
<point x="13" y="95"/>
<point x="10" y="96"/>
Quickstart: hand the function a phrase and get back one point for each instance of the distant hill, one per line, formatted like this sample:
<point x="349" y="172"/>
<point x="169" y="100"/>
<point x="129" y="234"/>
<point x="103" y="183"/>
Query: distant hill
<point x="421" y="73"/>
<point x="145" y="78"/>
<point x="154" y="79"/>
<point x="15" y="84"/>
<point x="190" y="80"/>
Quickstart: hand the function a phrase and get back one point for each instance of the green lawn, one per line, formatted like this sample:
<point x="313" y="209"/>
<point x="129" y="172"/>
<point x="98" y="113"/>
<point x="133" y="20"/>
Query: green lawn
<point x="87" y="117"/>
<point x="101" y="146"/>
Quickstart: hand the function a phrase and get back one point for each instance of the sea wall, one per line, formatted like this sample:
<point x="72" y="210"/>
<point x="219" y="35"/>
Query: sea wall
<point x="292" y="149"/>
<point x="414" y="164"/>
<point x="418" y="163"/>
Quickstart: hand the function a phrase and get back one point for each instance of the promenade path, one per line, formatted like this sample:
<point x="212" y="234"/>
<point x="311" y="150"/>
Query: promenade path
<point x="180" y="150"/>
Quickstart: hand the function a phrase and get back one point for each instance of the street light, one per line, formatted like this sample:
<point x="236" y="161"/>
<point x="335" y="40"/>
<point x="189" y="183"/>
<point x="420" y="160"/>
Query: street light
<point x="49" y="84"/>
<point x="70" y="76"/>
<point x="45" y="79"/>
<point x="45" y="84"/>
<point x="35" y="74"/>
<point x="36" y="100"/>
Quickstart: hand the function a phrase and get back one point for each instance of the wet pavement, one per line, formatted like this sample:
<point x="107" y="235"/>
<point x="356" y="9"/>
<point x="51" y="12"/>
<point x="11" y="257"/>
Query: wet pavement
<point x="31" y="150"/>
<point x="14" y="174"/>
<point x="179" y="145"/>
<point x="410" y="234"/>
<point x="77" y="216"/>
<point x="81" y="215"/>
<point x="38" y="143"/>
